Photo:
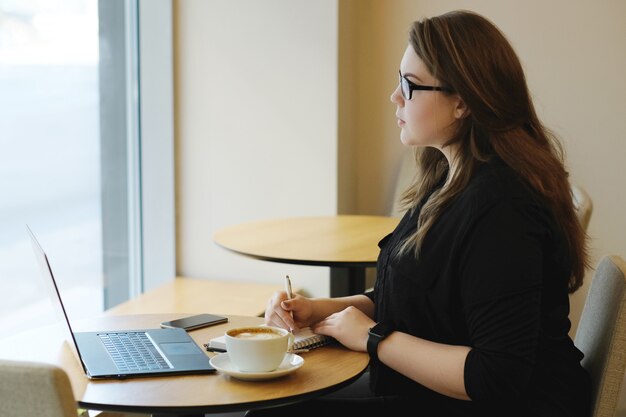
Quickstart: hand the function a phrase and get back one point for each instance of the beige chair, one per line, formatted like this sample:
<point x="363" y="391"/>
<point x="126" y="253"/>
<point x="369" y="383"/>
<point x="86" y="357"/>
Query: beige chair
<point x="601" y="334"/>
<point x="582" y="204"/>
<point x="35" y="389"/>
<point x="31" y="389"/>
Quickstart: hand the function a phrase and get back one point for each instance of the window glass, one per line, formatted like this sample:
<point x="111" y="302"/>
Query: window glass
<point x="50" y="158"/>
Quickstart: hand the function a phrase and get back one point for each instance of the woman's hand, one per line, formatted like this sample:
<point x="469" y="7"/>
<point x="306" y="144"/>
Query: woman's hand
<point x="288" y="314"/>
<point x="349" y="327"/>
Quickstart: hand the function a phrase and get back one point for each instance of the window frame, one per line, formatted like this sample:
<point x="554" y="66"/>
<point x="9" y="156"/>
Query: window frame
<point x="137" y="147"/>
<point x="157" y="150"/>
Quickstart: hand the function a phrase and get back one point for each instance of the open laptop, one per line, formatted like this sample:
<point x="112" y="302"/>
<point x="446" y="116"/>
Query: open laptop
<point x="125" y="353"/>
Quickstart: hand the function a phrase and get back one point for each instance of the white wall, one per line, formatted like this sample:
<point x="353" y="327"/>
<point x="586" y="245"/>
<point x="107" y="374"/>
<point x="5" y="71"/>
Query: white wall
<point x="256" y="112"/>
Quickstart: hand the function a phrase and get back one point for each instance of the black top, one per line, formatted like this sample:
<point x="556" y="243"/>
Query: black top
<point x="492" y="275"/>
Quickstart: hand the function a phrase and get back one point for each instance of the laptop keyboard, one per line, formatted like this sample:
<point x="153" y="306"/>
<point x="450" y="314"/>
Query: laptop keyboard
<point x="133" y="351"/>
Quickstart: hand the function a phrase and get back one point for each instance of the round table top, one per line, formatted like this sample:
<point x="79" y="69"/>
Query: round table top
<point x="341" y="240"/>
<point x="325" y="369"/>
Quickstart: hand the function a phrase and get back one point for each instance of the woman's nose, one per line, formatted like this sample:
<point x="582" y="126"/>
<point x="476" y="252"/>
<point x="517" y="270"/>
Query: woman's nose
<point x="396" y="97"/>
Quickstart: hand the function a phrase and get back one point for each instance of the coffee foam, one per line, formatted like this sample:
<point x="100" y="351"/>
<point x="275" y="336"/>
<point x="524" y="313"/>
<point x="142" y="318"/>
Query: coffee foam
<point x="254" y="333"/>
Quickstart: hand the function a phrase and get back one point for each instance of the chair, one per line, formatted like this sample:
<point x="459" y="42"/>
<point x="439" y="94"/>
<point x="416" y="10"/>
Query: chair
<point x="582" y="204"/>
<point x="601" y="334"/>
<point x="39" y="390"/>
<point x="35" y="389"/>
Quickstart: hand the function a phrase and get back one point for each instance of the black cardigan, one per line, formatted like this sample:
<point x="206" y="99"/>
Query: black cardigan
<point x="492" y="275"/>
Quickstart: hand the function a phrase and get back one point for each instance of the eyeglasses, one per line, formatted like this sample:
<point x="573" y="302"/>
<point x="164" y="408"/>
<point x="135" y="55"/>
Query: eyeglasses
<point x="407" y="87"/>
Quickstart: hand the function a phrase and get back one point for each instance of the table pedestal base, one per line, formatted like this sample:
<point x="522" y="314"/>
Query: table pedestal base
<point x="347" y="281"/>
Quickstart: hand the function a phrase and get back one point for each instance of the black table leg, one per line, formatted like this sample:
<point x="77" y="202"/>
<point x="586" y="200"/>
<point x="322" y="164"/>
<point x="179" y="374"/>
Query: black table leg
<point x="356" y="280"/>
<point x="347" y="281"/>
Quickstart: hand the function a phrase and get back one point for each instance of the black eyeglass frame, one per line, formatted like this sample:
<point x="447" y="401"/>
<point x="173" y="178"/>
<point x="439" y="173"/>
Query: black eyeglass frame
<point x="407" y="87"/>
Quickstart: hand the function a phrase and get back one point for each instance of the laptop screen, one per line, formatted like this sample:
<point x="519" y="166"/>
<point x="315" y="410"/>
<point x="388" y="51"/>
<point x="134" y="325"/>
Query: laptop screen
<point x="55" y="295"/>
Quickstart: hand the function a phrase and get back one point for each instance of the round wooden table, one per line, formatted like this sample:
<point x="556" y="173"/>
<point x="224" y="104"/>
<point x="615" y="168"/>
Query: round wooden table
<point x="347" y="243"/>
<point x="325" y="369"/>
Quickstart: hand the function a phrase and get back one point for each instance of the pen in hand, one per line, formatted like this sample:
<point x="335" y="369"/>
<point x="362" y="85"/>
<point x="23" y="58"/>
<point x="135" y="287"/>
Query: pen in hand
<point x="289" y="294"/>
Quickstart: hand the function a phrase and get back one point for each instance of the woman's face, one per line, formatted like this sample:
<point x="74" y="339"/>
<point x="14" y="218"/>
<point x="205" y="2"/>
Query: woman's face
<point x="429" y="118"/>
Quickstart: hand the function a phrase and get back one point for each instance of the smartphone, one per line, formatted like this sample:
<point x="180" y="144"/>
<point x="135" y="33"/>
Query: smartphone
<point x="195" y="322"/>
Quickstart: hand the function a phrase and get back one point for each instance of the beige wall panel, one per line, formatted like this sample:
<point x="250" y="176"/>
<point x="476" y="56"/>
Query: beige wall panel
<point x="256" y="132"/>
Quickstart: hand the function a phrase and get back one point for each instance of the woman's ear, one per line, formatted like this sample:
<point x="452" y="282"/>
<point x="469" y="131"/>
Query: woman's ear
<point x="461" y="111"/>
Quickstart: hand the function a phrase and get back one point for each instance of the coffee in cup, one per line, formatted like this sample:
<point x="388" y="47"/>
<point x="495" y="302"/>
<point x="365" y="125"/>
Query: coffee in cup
<point x="257" y="348"/>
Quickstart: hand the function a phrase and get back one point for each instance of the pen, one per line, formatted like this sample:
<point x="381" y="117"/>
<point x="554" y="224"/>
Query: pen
<point x="213" y="349"/>
<point x="288" y="287"/>
<point x="289" y="293"/>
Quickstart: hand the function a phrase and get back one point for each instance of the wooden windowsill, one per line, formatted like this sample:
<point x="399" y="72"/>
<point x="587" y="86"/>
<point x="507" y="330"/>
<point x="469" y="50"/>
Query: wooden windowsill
<point x="193" y="296"/>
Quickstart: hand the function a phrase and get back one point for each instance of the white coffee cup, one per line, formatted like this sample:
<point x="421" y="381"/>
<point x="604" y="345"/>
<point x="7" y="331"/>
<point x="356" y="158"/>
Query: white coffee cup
<point x="257" y="348"/>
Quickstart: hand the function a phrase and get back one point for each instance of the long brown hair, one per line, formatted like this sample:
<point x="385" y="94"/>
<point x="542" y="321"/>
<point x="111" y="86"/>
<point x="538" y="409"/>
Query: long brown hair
<point x="469" y="54"/>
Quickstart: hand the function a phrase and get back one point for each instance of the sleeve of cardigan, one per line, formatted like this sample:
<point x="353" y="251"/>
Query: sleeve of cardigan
<point x="501" y="275"/>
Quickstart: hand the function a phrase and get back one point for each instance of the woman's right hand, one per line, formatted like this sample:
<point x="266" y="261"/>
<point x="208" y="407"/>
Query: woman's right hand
<point x="288" y="314"/>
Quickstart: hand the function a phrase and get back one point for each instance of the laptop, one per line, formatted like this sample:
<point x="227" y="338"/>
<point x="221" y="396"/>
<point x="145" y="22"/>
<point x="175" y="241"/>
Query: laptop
<point x="125" y="353"/>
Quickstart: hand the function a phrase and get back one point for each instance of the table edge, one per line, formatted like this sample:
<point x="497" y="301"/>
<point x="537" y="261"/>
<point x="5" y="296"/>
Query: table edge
<point x="309" y="262"/>
<point x="204" y="409"/>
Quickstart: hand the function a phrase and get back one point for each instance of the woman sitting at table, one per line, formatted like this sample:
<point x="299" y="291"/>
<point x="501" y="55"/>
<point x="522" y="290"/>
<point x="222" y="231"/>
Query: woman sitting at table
<point x="469" y="314"/>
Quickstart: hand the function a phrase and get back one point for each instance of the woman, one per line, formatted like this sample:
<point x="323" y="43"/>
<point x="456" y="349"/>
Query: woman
<point x="469" y="314"/>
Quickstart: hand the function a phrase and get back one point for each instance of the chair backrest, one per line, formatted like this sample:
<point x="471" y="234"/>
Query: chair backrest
<point x="582" y="204"/>
<point x="406" y="173"/>
<point x="35" y="389"/>
<point x="601" y="334"/>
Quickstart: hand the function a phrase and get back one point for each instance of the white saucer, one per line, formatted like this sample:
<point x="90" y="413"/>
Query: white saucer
<point x="223" y="364"/>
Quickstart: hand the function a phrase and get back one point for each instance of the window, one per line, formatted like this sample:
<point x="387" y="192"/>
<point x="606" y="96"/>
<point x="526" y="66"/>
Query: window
<point x="72" y="165"/>
<point x="50" y="163"/>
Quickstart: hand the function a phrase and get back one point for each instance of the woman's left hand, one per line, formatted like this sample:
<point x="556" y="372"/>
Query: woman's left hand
<point x="349" y="327"/>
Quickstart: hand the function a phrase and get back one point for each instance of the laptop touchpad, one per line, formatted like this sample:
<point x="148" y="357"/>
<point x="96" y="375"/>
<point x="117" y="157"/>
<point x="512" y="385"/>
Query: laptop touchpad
<point x="179" y="348"/>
